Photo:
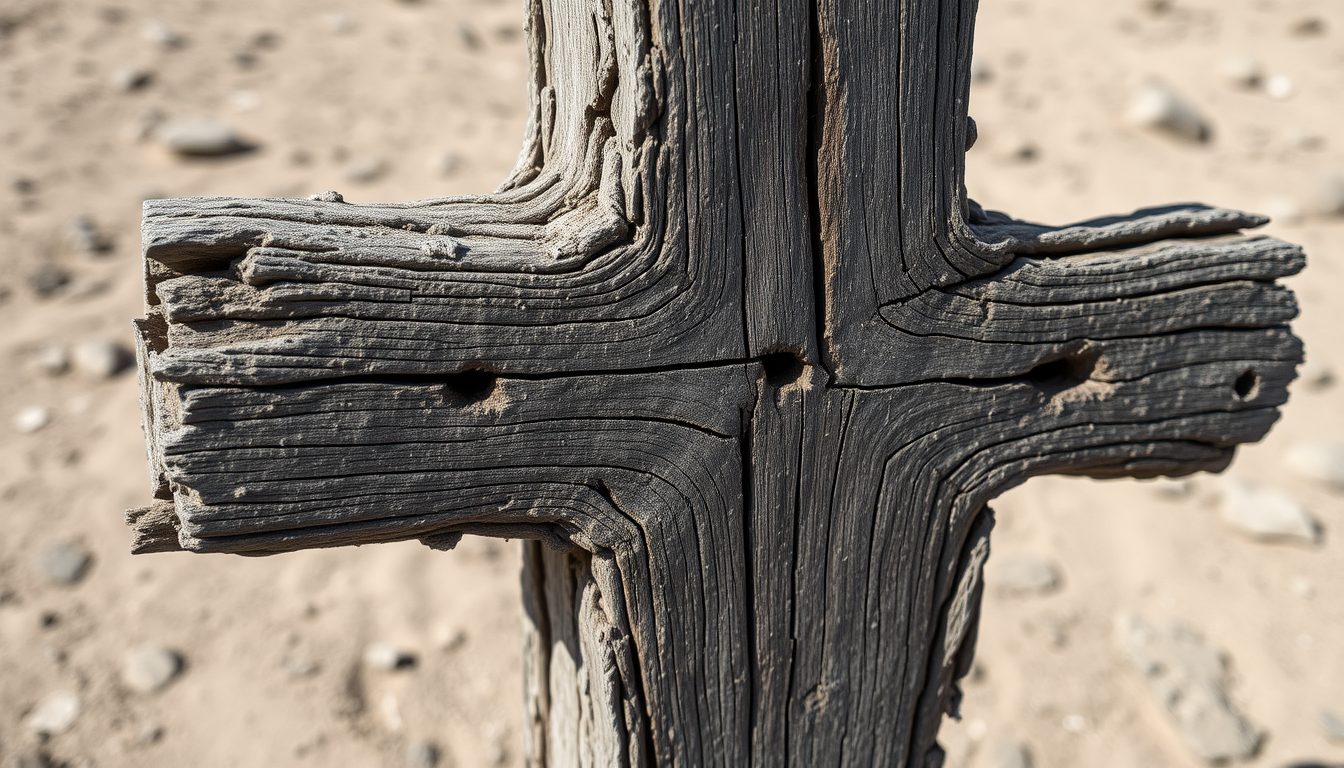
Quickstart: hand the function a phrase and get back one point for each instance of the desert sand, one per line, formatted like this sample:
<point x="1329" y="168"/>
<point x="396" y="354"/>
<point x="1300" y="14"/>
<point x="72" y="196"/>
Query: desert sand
<point x="397" y="655"/>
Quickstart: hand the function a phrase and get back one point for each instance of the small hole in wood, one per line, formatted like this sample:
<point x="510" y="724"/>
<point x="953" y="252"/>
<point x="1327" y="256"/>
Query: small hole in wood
<point x="782" y="368"/>
<point x="1246" y="385"/>
<point x="1062" y="373"/>
<point x="470" y="386"/>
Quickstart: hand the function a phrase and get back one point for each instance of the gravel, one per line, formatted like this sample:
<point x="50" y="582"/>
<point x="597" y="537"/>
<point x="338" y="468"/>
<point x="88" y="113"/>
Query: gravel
<point x="52" y="360"/>
<point x="1328" y="195"/>
<point x="1266" y="514"/>
<point x="150" y="667"/>
<point x="64" y="564"/>
<point x="84" y="234"/>
<point x="55" y="714"/>
<point x="1187" y="676"/>
<point x="1009" y="754"/>
<point x="48" y="280"/>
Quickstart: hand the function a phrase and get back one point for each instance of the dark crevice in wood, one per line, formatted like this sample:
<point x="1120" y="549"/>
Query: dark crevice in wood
<point x="470" y="386"/>
<point x="816" y="116"/>
<point x="782" y="368"/>
<point x="1247" y="385"/>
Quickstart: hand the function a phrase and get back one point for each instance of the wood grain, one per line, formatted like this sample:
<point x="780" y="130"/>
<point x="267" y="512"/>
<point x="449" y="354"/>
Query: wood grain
<point x="730" y="349"/>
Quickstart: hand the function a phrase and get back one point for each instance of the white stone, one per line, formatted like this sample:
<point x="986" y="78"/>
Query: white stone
<point x="150" y="667"/>
<point x="420" y="754"/>
<point x="1021" y="574"/>
<point x="1157" y="107"/>
<point x="1279" y="87"/>
<point x="1187" y="676"/>
<point x="1316" y="373"/>
<point x="32" y="418"/>
<point x="198" y="137"/>
<point x="386" y="657"/>
<point x="161" y="34"/>
<point x="52" y="360"/>
<point x="1172" y="487"/>
<point x="1265" y="514"/>
<point x="100" y="358"/>
<point x="1321" y="460"/>
<point x="55" y="714"/>
<point x="1282" y="209"/>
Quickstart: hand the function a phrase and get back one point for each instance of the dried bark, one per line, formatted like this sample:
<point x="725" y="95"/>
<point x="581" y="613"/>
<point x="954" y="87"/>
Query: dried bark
<point x="731" y="348"/>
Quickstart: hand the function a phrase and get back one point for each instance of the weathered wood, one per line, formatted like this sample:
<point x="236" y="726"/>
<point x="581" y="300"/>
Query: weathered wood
<point x="730" y="348"/>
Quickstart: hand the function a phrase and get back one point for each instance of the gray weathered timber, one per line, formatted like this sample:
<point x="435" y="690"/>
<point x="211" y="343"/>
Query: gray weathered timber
<point x="730" y="349"/>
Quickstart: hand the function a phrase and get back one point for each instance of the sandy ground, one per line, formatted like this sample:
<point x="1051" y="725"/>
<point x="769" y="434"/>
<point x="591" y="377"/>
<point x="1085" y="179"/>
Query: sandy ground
<point x="388" y="100"/>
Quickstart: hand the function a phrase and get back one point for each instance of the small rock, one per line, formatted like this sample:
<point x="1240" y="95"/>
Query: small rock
<point x="1009" y="754"/>
<point x="1279" y="87"/>
<point x="1316" y="373"/>
<point x="469" y="37"/>
<point x="244" y="100"/>
<point x="1188" y="677"/>
<point x="365" y="170"/>
<point x="1021" y="574"/>
<point x="446" y="163"/>
<point x="161" y="34"/>
<point x="30" y="760"/>
<point x="64" y="564"/>
<point x="1283" y="210"/>
<point x="47" y="280"/>
<point x="981" y="71"/>
<point x="1018" y="149"/>
<point x="32" y="418"/>
<point x="199" y="137"/>
<point x="1157" y="107"/>
<point x="339" y="23"/>
<point x="55" y="714"/>
<point x="330" y="196"/>
<point x="52" y="360"/>
<point x="1266" y="514"/>
<point x="1322" y="460"/>
<point x="1332" y="724"/>
<point x="1328" y="195"/>
<point x="84" y="234"/>
<point x="300" y="666"/>
<point x="1311" y="26"/>
<point x="386" y="658"/>
<point x="101" y="358"/>
<point x="1243" y="72"/>
<point x="1172" y="487"/>
<point x="150" y="667"/>
<point x="420" y="754"/>
<point x="1303" y="587"/>
<point x="149" y="733"/>
<point x="131" y="79"/>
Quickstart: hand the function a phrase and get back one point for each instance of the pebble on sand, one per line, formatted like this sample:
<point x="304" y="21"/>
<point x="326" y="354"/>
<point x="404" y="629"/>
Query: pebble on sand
<point x="386" y="657"/>
<point x="1172" y="487"/>
<point x="1266" y="514"/>
<point x="55" y="714"/>
<point x="1009" y="754"/>
<point x="1243" y="72"/>
<point x="64" y="564"/>
<point x="1332" y="724"/>
<point x="420" y="754"/>
<point x="1328" y="195"/>
<point x="52" y="360"/>
<point x="47" y="280"/>
<point x="161" y="34"/>
<point x="1279" y="87"/>
<point x="150" y="667"/>
<point x="100" y="358"/>
<point x="32" y="418"/>
<point x="199" y="137"/>
<point x="1188" y="676"/>
<point x="1157" y="107"/>
<point x="1021" y="574"/>
<point x="1316" y="373"/>
<point x="1322" y="460"/>
<point x="85" y="235"/>
<point x="365" y="170"/>
<point x="131" y="78"/>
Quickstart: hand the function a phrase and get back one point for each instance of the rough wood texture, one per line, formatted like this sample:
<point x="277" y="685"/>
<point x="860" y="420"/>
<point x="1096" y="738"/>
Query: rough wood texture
<point x="730" y="348"/>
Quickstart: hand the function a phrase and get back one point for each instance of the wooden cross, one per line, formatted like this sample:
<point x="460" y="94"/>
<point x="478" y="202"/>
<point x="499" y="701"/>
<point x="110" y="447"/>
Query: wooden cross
<point x="730" y="348"/>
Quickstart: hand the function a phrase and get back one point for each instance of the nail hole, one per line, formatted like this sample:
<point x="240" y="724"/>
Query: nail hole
<point x="1062" y="373"/>
<point x="470" y="386"/>
<point x="782" y="368"/>
<point x="1246" y="385"/>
